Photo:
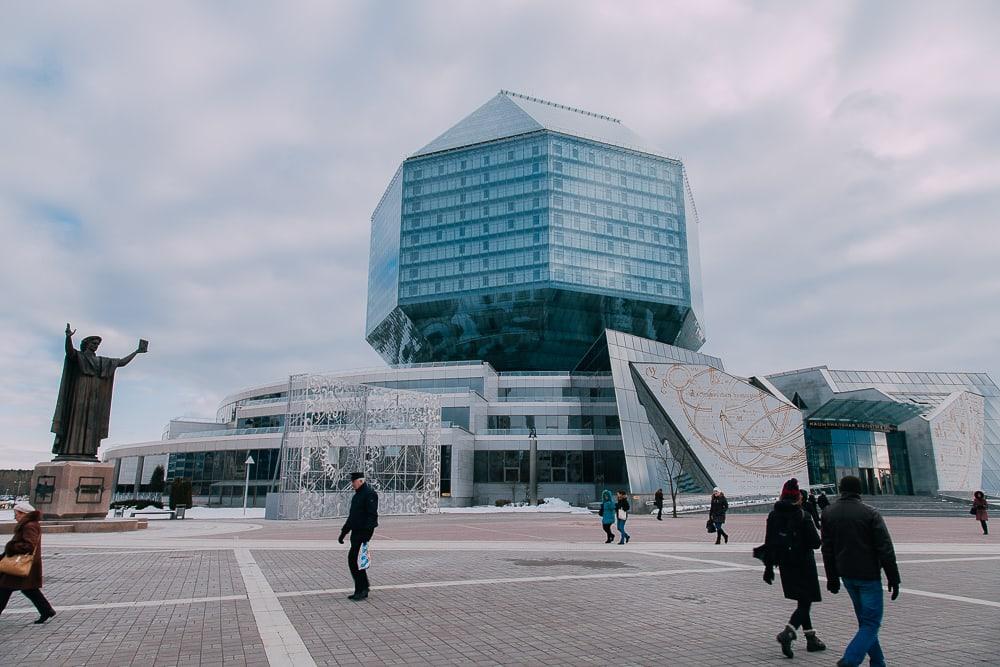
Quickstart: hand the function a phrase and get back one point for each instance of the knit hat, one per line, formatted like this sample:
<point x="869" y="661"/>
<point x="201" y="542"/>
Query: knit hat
<point x="24" y="506"/>
<point x="790" y="491"/>
<point x="357" y="475"/>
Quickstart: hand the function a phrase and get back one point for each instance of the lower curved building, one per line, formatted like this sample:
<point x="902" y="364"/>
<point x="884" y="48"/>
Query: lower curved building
<point x="632" y="414"/>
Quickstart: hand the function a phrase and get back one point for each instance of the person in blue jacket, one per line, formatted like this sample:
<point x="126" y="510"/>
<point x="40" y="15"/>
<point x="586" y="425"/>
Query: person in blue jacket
<point x="607" y="515"/>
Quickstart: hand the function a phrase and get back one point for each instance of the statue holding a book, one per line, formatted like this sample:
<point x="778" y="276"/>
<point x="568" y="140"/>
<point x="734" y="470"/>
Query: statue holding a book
<point x="83" y="409"/>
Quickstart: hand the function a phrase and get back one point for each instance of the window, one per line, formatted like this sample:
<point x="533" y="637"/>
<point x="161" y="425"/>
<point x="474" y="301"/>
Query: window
<point x="510" y="206"/>
<point x="486" y="160"/>
<point x="440" y="235"/>
<point x="558" y="149"/>
<point x="558" y="166"/>
<point x="486" y="177"/>
<point x="461" y="214"/>
<point x="557" y="183"/>
<point x="462" y="166"/>
<point x="463" y="181"/>
<point x="413" y="274"/>
<point x="417" y="189"/>
<point x="510" y="224"/>
<point x="486" y="261"/>
<point x="486" y="228"/>
<point x="535" y="219"/>
<point x="537" y="256"/>
<point x="414" y="256"/>
<point x="576" y="153"/>
<point x="461" y="198"/>
<point x="440" y="218"/>
<point x="534" y="168"/>
<point x="486" y="211"/>
<point x="486" y="245"/>
<point x="535" y="203"/>
<point x="534" y="150"/>
<point x="440" y="169"/>
<point x="510" y="277"/>
<point x="418" y="173"/>
<point x="510" y="156"/>
<point x="461" y="249"/>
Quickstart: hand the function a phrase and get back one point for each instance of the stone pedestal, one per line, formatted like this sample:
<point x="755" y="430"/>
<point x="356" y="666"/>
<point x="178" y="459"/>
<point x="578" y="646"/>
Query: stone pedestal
<point x="72" y="489"/>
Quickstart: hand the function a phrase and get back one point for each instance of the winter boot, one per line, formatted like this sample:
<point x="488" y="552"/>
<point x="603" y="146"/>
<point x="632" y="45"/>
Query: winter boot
<point x="813" y="643"/>
<point x="785" y="638"/>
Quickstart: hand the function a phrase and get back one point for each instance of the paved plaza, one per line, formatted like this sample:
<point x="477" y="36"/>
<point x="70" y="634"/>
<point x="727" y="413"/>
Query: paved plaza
<point x="460" y="589"/>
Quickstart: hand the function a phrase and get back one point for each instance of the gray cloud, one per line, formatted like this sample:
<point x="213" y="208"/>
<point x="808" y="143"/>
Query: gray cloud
<point x="203" y="176"/>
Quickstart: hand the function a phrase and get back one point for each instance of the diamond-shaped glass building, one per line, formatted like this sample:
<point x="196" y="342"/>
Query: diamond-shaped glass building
<point x="523" y="232"/>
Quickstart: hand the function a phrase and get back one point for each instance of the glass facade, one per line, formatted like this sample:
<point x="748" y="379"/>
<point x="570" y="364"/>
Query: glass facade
<point x="219" y="476"/>
<point x="520" y="251"/>
<point x="878" y="459"/>
<point x="512" y="466"/>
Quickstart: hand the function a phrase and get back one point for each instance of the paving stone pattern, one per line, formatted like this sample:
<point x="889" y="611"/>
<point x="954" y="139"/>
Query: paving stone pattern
<point x="565" y="604"/>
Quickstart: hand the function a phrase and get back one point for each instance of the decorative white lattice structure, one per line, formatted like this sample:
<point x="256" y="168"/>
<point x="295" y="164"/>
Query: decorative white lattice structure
<point x="334" y="428"/>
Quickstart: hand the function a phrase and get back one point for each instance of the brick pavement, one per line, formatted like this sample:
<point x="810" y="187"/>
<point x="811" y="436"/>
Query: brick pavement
<point x="554" y="595"/>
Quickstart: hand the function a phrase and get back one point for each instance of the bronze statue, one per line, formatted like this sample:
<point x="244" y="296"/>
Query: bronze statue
<point x="83" y="408"/>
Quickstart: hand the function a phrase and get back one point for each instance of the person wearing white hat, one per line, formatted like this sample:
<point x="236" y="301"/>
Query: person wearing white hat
<point x="27" y="539"/>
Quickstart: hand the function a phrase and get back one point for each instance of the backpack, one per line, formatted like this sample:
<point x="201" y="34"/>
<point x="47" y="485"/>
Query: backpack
<point x="788" y="540"/>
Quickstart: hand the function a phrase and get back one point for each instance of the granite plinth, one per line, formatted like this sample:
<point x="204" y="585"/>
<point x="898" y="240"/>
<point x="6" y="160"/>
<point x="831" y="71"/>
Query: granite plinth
<point x="72" y="489"/>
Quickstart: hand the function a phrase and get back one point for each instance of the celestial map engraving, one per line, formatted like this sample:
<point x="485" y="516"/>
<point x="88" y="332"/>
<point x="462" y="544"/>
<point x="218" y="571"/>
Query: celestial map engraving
<point x="335" y="428"/>
<point x="957" y="436"/>
<point x="742" y="435"/>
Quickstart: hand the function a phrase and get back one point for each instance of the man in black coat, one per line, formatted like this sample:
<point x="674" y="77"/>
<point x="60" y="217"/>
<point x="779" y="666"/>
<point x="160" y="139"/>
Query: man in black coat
<point x="856" y="548"/>
<point x="361" y="523"/>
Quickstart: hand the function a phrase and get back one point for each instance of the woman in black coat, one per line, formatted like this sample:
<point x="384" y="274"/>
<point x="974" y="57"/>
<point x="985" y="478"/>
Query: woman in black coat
<point x="789" y="545"/>
<point x="717" y="514"/>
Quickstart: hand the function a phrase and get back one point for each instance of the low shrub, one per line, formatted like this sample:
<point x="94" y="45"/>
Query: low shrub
<point x="501" y="502"/>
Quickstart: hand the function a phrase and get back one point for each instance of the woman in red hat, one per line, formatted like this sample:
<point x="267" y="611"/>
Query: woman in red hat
<point x="789" y="545"/>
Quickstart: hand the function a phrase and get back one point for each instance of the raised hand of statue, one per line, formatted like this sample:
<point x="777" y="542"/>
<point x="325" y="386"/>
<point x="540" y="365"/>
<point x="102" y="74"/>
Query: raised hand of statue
<point x="69" y="332"/>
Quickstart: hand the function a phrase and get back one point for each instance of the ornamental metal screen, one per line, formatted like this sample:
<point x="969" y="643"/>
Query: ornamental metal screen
<point x="334" y="428"/>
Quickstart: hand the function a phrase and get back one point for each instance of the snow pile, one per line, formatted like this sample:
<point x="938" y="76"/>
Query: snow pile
<point x="557" y="505"/>
<point x="201" y="513"/>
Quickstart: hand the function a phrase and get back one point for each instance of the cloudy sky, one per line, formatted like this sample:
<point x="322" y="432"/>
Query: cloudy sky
<point x="202" y="175"/>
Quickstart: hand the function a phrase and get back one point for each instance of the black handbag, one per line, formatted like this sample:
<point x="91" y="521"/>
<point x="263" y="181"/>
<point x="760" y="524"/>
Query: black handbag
<point x="760" y="553"/>
<point x="972" y="510"/>
<point x="710" y="526"/>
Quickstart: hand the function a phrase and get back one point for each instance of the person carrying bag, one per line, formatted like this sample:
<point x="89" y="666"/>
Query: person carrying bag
<point x="21" y="565"/>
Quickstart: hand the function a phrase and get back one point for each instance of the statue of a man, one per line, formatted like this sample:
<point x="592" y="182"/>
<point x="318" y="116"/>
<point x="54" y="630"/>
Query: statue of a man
<point x="83" y="408"/>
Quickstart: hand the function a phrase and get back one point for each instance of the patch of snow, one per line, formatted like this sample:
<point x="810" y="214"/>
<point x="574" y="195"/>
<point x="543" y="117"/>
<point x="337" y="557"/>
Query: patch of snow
<point x="548" y="505"/>
<point x="204" y="513"/>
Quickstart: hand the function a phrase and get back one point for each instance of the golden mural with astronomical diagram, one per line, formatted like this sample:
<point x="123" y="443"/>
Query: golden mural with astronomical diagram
<point x="744" y="437"/>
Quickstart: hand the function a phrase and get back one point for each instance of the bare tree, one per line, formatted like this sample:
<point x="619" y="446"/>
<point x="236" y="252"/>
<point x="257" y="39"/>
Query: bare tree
<point x="672" y="460"/>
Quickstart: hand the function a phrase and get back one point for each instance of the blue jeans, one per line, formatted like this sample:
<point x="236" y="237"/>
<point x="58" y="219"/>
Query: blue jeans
<point x="621" y="531"/>
<point x="866" y="594"/>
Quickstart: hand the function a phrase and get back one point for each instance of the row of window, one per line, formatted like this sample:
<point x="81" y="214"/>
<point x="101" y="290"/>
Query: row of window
<point x="504" y="237"/>
<point x="576" y="150"/>
<point x="476" y="160"/>
<point x="464" y="268"/>
<point x="589" y="178"/>
<point x="487" y="177"/>
<point x="543" y="423"/>
<point x="514" y="467"/>
<point x="484" y="281"/>
<point x="631" y="266"/>
<point x="619" y="282"/>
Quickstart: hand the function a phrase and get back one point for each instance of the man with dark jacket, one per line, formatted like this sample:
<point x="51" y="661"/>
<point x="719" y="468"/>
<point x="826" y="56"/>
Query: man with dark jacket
<point x="361" y="523"/>
<point x="856" y="547"/>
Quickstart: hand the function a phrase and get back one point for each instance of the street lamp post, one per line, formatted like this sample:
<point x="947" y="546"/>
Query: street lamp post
<point x="246" y="486"/>
<point x="533" y="466"/>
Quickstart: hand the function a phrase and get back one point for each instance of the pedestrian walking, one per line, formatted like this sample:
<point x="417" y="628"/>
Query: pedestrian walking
<point x="27" y="540"/>
<point x="856" y="547"/>
<point x="980" y="509"/>
<point x="809" y="506"/>
<point x="717" y="514"/>
<point x="658" y="502"/>
<point x="621" y="512"/>
<point x="361" y="523"/>
<point x="607" y="515"/>
<point x="790" y="540"/>
<point x="822" y="502"/>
